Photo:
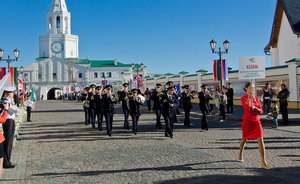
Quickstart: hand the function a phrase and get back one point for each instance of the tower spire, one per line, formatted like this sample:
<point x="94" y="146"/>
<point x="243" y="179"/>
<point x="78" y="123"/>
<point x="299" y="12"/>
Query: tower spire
<point x="58" y="6"/>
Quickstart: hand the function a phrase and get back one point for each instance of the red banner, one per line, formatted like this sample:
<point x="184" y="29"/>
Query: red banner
<point x="140" y="80"/>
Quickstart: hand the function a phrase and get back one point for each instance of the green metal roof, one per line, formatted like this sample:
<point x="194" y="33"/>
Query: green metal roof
<point x="293" y="60"/>
<point x="202" y="70"/>
<point x="184" y="72"/>
<point x="100" y="63"/>
<point x="156" y="76"/>
<point x="169" y="74"/>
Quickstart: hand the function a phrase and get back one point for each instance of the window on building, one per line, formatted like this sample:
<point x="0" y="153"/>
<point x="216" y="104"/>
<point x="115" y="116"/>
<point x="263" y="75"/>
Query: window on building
<point x="26" y="78"/>
<point x="95" y="75"/>
<point x="50" y="22"/>
<point x="40" y="76"/>
<point x="80" y="75"/>
<point x="54" y="75"/>
<point x="108" y="74"/>
<point x="58" y="22"/>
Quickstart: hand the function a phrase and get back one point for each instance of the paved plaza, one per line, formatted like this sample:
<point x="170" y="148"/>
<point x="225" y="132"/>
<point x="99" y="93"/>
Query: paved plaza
<point x="57" y="147"/>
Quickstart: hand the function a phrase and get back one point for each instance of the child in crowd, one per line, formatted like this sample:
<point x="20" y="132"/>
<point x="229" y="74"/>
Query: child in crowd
<point x="274" y="114"/>
<point x="29" y="106"/>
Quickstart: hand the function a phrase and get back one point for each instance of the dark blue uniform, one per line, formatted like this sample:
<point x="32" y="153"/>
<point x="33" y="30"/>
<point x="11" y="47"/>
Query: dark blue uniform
<point x="99" y="110"/>
<point x="108" y="111"/>
<point x="91" y="109"/>
<point x="125" y="109"/>
<point x="86" y="110"/>
<point x="169" y="112"/>
<point x="135" y="112"/>
<point x="204" y="107"/>
<point x="187" y="106"/>
<point x="156" y="107"/>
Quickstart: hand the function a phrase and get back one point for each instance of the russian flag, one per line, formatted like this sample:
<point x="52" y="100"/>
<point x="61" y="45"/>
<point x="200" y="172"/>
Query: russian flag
<point x="220" y="70"/>
<point x="3" y="72"/>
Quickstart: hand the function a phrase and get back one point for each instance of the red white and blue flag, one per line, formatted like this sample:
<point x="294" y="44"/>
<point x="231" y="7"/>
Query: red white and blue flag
<point x="220" y="70"/>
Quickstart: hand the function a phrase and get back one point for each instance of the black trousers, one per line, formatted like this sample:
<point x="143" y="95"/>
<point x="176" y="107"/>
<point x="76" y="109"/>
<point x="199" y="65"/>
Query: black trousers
<point x="91" y="116"/>
<point x="109" y="121"/>
<point x="28" y="113"/>
<point x="284" y="112"/>
<point x="100" y="120"/>
<point x="204" y="119"/>
<point x="158" y="114"/>
<point x="169" y="125"/>
<point x="222" y="111"/>
<point x="86" y="115"/>
<point x="126" y="113"/>
<point x="135" y="120"/>
<point x="229" y="109"/>
<point x="149" y="105"/>
<point x="9" y="132"/>
<point x="187" y="112"/>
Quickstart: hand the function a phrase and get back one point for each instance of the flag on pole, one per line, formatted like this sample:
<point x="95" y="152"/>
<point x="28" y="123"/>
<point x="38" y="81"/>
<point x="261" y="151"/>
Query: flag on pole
<point x="178" y="88"/>
<point x="32" y="95"/>
<point x="104" y="82"/>
<point x="220" y="70"/>
<point x="13" y="76"/>
<point x="3" y="72"/>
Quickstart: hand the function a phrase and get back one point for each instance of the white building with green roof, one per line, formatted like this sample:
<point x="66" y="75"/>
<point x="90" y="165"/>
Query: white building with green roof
<point x="59" y="67"/>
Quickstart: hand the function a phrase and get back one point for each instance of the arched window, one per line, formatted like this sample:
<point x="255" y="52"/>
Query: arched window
<point x="66" y="22"/>
<point x="50" y="22"/>
<point x="58" y="22"/>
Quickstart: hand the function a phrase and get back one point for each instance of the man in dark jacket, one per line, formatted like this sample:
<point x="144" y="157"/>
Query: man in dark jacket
<point x="84" y="96"/>
<point x="109" y="101"/>
<point x="99" y="107"/>
<point x="204" y="97"/>
<point x="125" y="104"/>
<point x="230" y="95"/>
<point x="282" y="96"/>
<point x="92" y="105"/>
<point x="135" y="110"/>
<point x="169" y="103"/>
<point x="155" y="96"/>
<point x="187" y="105"/>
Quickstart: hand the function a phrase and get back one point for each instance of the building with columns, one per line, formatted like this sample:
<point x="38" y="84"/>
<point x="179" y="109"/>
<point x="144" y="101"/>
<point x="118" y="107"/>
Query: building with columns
<point x="58" y="66"/>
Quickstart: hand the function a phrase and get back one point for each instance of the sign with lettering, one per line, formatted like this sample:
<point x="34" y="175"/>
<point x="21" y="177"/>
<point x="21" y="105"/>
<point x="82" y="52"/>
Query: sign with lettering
<point x="252" y="67"/>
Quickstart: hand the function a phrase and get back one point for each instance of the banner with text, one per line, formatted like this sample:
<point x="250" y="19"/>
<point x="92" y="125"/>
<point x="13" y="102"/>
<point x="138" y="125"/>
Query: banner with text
<point x="252" y="67"/>
<point x="140" y="80"/>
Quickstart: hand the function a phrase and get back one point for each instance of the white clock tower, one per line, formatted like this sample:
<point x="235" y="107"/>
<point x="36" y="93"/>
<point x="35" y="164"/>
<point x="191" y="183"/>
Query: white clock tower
<point x="58" y="42"/>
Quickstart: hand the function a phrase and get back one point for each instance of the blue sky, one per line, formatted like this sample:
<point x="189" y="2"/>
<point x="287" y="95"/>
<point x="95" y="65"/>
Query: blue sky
<point x="165" y="35"/>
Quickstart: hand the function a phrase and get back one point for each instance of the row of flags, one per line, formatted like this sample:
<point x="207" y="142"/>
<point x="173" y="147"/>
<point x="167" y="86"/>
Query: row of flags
<point x="220" y="70"/>
<point x="13" y="75"/>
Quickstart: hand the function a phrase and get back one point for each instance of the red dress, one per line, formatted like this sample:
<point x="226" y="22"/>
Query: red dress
<point x="251" y="125"/>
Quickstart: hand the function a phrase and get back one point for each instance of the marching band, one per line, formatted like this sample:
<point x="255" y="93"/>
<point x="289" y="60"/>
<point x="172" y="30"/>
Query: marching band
<point x="100" y="102"/>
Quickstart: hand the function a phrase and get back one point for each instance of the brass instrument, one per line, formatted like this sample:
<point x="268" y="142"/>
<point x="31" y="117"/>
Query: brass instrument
<point x="101" y="91"/>
<point x="140" y="98"/>
<point x="128" y="95"/>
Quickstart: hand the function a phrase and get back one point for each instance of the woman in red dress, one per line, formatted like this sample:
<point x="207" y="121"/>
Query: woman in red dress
<point x="251" y="125"/>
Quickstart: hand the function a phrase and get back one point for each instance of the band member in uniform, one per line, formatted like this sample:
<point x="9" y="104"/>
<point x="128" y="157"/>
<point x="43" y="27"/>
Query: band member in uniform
<point x="155" y="96"/>
<point x="99" y="106"/>
<point x="9" y="126"/>
<point x="187" y="105"/>
<point x="92" y="105"/>
<point x="169" y="103"/>
<point x="109" y="101"/>
<point x="170" y="84"/>
<point x="125" y="104"/>
<point x="135" y="111"/>
<point x="204" y="97"/>
<point x="84" y="97"/>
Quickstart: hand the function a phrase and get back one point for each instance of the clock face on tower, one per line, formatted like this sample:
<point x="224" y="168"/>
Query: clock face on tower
<point x="57" y="47"/>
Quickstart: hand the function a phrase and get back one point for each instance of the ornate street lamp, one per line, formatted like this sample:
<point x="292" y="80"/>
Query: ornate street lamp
<point x="213" y="45"/>
<point x="16" y="53"/>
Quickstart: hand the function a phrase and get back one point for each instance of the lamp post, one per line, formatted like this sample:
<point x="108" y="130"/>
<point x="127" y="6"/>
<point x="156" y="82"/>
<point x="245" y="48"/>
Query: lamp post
<point x="16" y="53"/>
<point x="137" y="72"/>
<point x="226" y="44"/>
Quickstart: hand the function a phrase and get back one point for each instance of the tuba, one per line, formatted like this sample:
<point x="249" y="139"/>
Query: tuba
<point x="141" y="98"/>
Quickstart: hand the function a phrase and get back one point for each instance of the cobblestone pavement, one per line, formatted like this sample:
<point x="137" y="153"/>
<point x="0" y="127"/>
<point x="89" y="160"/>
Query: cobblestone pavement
<point x="57" y="147"/>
